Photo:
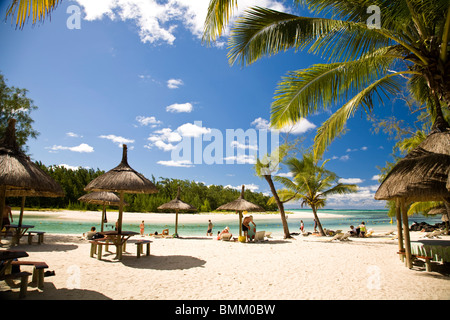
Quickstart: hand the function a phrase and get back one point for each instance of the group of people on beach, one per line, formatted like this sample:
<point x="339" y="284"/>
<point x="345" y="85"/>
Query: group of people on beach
<point x="359" y="231"/>
<point x="248" y="230"/>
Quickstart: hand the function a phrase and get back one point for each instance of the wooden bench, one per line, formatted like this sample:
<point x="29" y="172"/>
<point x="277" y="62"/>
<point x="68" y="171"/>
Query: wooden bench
<point x="38" y="271"/>
<point x="427" y="259"/>
<point x="23" y="281"/>
<point x="40" y="235"/>
<point x="140" y="247"/>
<point x="96" y="247"/>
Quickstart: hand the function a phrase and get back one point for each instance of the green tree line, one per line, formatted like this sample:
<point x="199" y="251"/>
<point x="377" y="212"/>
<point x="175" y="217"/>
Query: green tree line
<point x="204" y="198"/>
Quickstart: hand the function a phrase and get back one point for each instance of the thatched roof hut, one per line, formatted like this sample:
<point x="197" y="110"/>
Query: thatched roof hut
<point x="421" y="175"/>
<point x="19" y="176"/>
<point x="240" y="205"/>
<point x="122" y="179"/>
<point x="177" y="205"/>
<point x="104" y="199"/>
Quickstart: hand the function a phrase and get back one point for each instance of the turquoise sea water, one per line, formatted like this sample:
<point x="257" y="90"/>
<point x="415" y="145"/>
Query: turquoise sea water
<point x="333" y="219"/>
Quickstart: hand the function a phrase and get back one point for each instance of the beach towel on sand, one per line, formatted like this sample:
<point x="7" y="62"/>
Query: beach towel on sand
<point x="251" y="232"/>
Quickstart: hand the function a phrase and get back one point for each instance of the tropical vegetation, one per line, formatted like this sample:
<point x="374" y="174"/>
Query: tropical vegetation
<point x="204" y="198"/>
<point x="311" y="184"/>
<point x="367" y="63"/>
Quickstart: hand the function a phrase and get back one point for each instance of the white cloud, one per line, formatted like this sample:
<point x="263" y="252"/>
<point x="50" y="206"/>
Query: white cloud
<point x="344" y="158"/>
<point x="252" y="187"/>
<point x="174" y="83"/>
<point x="192" y="130"/>
<point x="117" y="139"/>
<point x="63" y="165"/>
<point x="82" y="148"/>
<point x="180" y="164"/>
<point x="177" y="107"/>
<point x="299" y="127"/>
<point x="146" y="121"/>
<point x="73" y="135"/>
<point x="364" y="148"/>
<point x="241" y="159"/>
<point x="350" y="180"/>
<point x="238" y="145"/>
<point x="287" y="174"/>
<point x="158" y="21"/>
<point x="164" y="146"/>
<point x="376" y="177"/>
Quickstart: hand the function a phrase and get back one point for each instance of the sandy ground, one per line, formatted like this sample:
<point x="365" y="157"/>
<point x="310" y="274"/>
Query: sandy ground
<point x="204" y="268"/>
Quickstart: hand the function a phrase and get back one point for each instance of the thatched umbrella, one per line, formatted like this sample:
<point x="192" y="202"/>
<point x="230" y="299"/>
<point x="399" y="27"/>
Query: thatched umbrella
<point x="420" y="176"/>
<point x="19" y="176"/>
<point x="240" y="205"/>
<point x="122" y="179"/>
<point x="102" y="198"/>
<point x="176" y="204"/>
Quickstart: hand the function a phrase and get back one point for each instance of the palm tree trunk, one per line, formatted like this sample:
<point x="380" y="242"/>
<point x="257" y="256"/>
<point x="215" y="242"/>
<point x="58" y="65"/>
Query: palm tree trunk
<point x="322" y="233"/>
<point x="280" y="205"/>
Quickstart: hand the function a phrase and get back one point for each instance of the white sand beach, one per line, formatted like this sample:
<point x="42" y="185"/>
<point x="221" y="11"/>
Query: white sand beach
<point x="205" y="268"/>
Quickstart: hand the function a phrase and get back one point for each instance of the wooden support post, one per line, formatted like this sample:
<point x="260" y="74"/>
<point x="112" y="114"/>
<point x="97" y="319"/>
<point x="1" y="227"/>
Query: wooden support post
<point x="406" y="234"/>
<point x="398" y="215"/>
<point x="176" y="222"/>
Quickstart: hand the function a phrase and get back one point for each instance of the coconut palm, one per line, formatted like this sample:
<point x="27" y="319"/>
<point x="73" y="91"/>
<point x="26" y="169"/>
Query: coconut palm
<point x="265" y="168"/>
<point x="23" y="9"/>
<point x="311" y="184"/>
<point x="366" y="63"/>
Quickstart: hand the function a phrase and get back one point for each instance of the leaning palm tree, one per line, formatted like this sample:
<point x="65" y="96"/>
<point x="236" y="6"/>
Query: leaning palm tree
<point x="311" y="184"/>
<point x="39" y="10"/>
<point x="265" y="168"/>
<point x="367" y="63"/>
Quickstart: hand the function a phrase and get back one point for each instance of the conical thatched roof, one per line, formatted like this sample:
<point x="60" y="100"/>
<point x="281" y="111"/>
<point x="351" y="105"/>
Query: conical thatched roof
<point x="240" y="204"/>
<point x="19" y="174"/>
<point x="177" y="204"/>
<point x="122" y="179"/>
<point x="102" y="198"/>
<point x="437" y="210"/>
<point x="423" y="174"/>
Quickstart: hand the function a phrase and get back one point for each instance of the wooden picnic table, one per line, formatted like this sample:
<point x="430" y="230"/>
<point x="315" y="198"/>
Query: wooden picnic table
<point x="118" y="239"/>
<point x="6" y="258"/>
<point x="19" y="231"/>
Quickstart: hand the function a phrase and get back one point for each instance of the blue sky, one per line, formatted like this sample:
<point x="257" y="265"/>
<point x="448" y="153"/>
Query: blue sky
<point x="136" y="72"/>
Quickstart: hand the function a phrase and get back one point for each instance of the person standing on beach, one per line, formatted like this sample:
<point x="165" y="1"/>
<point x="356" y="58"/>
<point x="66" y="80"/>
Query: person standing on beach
<point x="302" y="226"/>
<point x="5" y="217"/>
<point x="315" y="225"/>
<point x="142" y="227"/>
<point x="210" y="227"/>
<point x="362" y="229"/>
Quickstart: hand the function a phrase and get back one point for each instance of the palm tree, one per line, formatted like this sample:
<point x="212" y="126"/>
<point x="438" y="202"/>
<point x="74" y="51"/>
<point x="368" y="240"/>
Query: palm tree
<point x="264" y="168"/>
<point x="366" y="64"/>
<point x="311" y="184"/>
<point x="23" y="9"/>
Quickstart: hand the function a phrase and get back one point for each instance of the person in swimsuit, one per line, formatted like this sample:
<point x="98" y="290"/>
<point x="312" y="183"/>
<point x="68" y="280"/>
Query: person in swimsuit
<point x="210" y="227"/>
<point x="5" y="218"/>
<point x="362" y="229"/>
<point x="142" y="227"/>
<point x="246" y="225"/>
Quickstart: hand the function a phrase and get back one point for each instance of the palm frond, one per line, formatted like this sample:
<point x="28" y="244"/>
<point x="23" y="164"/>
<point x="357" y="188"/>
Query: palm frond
<point x="304" y="92"/>
<point x="217" y="18"/>
<point x="23" y="9"/>
<point x="335" y="125"/>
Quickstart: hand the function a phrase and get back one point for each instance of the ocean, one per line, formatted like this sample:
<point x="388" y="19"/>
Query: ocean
<point x="330" y="219"/>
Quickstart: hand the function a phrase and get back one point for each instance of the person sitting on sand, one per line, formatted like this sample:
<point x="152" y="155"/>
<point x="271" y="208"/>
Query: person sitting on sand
<point x="224" y="234"/>
<point x="353" y="231"/>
